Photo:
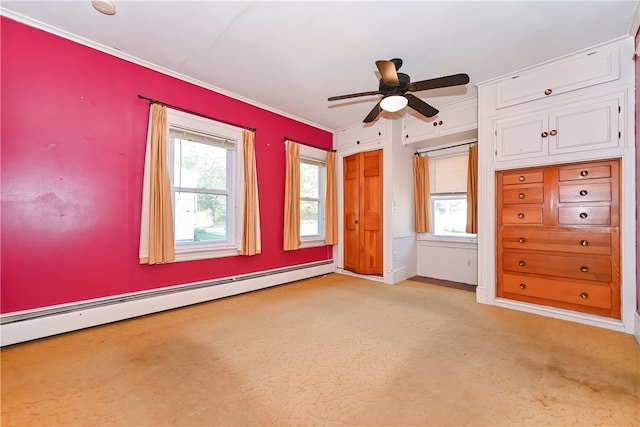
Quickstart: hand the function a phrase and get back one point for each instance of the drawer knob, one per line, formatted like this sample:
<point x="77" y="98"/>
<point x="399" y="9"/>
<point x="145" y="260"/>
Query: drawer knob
<point x="584" y="243"/>
<point x="521" y="263"/>
<point x="584" y="295"/>
<point x="548" y="92"/>
<point x="544" y="134"/>
<point x="521" y="196"/>
<point x="522" y="240"/>
<point x="584" y="172"/>
<point x="522" y="286"/>
<point x="553" y="132"/>
<point x="520" y="215"/>
<point x="583" y="192"/>
<point x="583" y="215"/>
<point x="521" y="178"/>
<point x="584" y="269"/>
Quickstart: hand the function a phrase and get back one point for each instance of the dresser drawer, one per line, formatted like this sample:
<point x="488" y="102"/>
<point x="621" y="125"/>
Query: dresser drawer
<point x="579" y="241"/>
<point x="522" y="177"/>
<point x="522" y="215"/>
<point x="586" y="268"/>
<point x="575" y="293"/>
<point x="589" y="171"/>
<point x="585" y="192"/>
<point x="522" y="194"/>
<point x="584" y="215"/>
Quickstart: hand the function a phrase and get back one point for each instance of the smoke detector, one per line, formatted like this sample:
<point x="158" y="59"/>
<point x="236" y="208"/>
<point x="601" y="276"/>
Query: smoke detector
<point x="104" y="6"/>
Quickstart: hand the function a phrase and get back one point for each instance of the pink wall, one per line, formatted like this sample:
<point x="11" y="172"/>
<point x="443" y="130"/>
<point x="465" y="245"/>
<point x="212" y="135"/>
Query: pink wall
<point x="73" y="134"/>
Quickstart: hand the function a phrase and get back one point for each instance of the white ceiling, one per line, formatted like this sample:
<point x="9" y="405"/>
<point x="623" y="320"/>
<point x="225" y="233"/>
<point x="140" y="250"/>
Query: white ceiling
<point x="291" y="56"/>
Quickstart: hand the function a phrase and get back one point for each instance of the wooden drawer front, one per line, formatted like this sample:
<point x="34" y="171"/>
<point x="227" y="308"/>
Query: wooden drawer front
<point x="575" y="173"/>
<point x="557" y="290"/>
<point x="522" y="215"/>
<point x="585" y="192"/>
<point x="584" y="215"/>
<point x="522" y="177"/>
<point x="579" y="241"/>
<point x="522" y="194"/>
<point x="596" y="268"/>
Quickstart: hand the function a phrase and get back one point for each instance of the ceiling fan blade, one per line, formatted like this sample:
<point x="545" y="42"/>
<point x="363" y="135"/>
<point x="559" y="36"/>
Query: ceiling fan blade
<point x="353" y="95"/>
<point x="453" y="80"/>
<point x="388" y="72"/>
<point x="420" y="106"/>
<point x="373" y="113"/>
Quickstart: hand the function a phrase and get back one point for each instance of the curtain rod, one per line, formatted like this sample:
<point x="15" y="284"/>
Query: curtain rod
<point x="155" y="101"/>
<point x="444" y="148"/>
<point x="304" y="143"/>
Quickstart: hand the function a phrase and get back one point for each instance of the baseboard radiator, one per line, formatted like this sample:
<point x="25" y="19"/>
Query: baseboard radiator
<point x="28" y="325"/>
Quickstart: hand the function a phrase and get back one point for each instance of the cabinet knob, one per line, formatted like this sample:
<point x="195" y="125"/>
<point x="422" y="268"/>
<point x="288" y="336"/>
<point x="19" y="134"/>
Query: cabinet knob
<point x="583" y="215"/>
<point x="583" y="192"/>
<point x="522" y="240"/>
<point x="521" y="196"/>
<point x="379" y="133"/>
<point x="584" y="269"/>
<point x="357" y="142"/>
<point x="544" y="134"/>
<point x="553" y="132"/>
<point x="435" y="123"/>
<point x="406" y="136"/>
<point x="584" y="243"/>
<point x="584" y="172"/>
<point x="548" y="92"/>
<point x="440" y="123"/>
<point x="521" y="263"/>
<point x="520" y="215"/>
<point x="521" y="178"/>
<point x="522" y="286"/>
<point x="584" y="295"/>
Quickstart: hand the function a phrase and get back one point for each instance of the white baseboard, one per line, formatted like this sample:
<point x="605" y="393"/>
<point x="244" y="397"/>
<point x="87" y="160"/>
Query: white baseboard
<point x="42" y="322"/>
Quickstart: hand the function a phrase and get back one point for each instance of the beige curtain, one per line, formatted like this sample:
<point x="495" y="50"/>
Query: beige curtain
<point x="292" y="197"/>
<point x="472" y="191"/>
<point x="251" y="244"/>
<point x="421" y="193"/>
<point x="157" y="243"/>
<point x="331" y="204"/>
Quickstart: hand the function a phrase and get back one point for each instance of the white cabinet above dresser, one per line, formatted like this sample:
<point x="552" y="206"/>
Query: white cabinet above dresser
<point x="455" y="118"/>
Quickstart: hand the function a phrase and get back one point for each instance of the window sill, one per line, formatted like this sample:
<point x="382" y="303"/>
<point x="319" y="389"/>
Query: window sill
<point x="199" y="254"/>
<point x="312" y="243"/>
<point x="425" y="239"/>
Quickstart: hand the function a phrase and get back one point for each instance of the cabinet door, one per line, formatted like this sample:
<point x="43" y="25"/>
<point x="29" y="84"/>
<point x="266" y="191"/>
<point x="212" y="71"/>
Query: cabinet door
<point x="362" y="134"/>
<point x="418" y="128"/>
<point x="458" y="118"/>
<point x="585" y="127"/>
<point x="521" y="137"/>
<point x="587" y="69"/>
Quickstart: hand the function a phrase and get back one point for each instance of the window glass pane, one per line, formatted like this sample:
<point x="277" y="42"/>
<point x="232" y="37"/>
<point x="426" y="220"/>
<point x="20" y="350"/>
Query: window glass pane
<point x="198" y="165"/>
<point x="309" y="182"/>
<point x="450" y="216"/>
<point x="200" y="217"/>
<point x="309" y="218"/>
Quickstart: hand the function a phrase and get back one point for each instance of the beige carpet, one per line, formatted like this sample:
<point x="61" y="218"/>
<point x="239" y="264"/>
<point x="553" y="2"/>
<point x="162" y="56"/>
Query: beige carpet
<point x="334" y="350"/>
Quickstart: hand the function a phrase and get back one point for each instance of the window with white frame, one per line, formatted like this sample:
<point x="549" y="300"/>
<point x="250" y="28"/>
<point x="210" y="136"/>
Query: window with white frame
<point x="448" y="194"/>
<point x="205" y="172"/>
<point x="312" y="195"/>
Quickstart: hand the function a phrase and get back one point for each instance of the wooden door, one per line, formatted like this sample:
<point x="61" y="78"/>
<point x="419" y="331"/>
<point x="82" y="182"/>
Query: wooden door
<point x="363" y="186"/>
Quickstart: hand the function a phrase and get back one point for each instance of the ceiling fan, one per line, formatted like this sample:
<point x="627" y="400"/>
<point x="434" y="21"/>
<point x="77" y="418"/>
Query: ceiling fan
<point x="394" y="87"/>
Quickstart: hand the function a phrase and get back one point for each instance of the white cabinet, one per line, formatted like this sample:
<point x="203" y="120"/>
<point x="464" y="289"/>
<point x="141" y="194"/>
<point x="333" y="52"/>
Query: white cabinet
<point x="586" y="126"/>
<point x="451" y="119"/>
<point x="363" y="134"/>
<point x="586" y="69"/>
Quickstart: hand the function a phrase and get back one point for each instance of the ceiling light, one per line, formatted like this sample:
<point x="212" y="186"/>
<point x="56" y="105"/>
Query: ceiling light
<point x="104" y="6"/>
<point x="393" y="103"/>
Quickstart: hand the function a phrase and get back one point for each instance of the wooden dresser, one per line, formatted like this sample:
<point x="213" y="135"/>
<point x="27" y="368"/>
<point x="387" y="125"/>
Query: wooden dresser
<point x="558" y="236"/>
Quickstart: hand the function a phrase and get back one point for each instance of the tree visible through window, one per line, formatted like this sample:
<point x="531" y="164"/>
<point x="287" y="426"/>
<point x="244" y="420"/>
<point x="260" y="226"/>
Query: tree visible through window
<point x="312" y="178"/>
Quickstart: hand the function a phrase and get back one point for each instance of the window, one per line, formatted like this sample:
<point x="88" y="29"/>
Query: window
<point x="448" y="193"/>
<point x="312" y="194"/>
<point x="205" y="171"/>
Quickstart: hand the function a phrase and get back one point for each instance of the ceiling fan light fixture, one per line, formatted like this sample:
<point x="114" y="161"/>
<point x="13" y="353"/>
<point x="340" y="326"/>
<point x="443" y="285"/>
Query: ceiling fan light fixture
<point x="393" y="103"/>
